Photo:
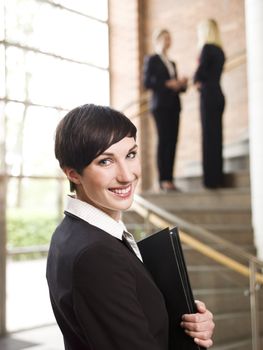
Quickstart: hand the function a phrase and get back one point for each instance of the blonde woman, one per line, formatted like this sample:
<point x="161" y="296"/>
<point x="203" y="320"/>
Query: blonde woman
<point x="160" y="76"/>
<point x="212" y="101"/>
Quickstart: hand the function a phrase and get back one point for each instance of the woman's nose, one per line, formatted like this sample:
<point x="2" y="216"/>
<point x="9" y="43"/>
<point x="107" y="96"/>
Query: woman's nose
<point x="125" y="173"/>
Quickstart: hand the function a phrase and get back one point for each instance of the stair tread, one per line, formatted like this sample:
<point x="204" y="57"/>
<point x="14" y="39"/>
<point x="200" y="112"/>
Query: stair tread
<point x="231" y="315"/>
<point x="201" y="268"/>
<point x="218" y="246"/>
<point x="232" y="345"/>
<point x="214" y="291"/>
<point x="227" y="173"/>
<point x="227" y="210"/>
<point x="199" y="192"/>
<point x="232" y="226"/>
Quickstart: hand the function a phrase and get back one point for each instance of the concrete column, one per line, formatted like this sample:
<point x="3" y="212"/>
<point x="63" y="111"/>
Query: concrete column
<point x="254" y="35"/>
<point x="3" y="192"/>
<point x="2" y="257"/>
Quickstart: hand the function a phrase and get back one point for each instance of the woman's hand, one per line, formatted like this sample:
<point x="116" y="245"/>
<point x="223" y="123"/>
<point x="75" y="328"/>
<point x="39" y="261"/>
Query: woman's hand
<point x="198" y="85"/>
<point x="177" y="84"/>
<point x="173" y="84"/>
<point x="199" y="326"/>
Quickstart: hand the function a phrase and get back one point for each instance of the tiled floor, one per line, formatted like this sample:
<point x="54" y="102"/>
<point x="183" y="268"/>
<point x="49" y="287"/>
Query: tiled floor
<point x="42" y="338"/>
<point x="28" y="309"/>
<point x="28" y="302"/>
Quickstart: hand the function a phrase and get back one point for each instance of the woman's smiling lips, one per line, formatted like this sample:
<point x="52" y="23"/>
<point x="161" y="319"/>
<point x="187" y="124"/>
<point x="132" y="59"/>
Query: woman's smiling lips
<point x="123" y="192"/>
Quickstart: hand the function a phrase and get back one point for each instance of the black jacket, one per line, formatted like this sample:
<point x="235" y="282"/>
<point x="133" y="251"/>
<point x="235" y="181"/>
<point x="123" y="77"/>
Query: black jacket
<point x="102" y="296"/>
<point x="155" y="73"/>
<point x="210" y="66"/>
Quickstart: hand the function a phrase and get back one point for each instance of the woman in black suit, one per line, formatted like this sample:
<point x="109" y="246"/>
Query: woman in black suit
<point x="212" y="101"/>
<point x="102" y="295"/>
<point x="160" y="75"/>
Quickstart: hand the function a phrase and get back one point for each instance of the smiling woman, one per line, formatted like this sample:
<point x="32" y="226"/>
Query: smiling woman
<point x="101" y="293"/>
<point x="109" y="181"/>
<point x="99" y="158"/>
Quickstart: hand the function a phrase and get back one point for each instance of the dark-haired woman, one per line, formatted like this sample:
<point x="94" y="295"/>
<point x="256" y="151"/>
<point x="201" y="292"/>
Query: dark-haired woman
<point x="102" y="296"/>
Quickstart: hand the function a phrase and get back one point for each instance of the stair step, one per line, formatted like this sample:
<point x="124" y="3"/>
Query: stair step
<point x="235" y="233"/>
<point x="218" y="199"/>
<point x="213" y="276"/>
<point x="235" y="158"/>
<point x="245" y="344"/>
<point x="210" y="216"/>
<point x="243" y="235"/>
<point x="225" y="300"/>
<point x="240" y="179"/>
<point x="193" y="257"/>
<point x="233" y="326"/>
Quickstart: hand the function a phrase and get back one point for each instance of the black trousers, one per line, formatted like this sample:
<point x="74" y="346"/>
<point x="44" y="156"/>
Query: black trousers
<point x="212" y="107"/>
<point x="167" y="126"/>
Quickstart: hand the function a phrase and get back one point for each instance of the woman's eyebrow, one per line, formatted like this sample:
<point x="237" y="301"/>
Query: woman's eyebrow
<point x="133" y="148"/>
<point x="112" y="154"/>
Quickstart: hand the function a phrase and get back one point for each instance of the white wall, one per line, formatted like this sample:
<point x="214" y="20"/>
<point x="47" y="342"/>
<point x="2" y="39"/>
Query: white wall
<point x="254" y="35"/>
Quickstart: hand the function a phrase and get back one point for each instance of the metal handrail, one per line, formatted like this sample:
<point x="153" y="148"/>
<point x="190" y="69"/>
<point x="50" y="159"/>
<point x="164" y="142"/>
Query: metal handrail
<point x="145" y="208"/>
<point x="235" y="61"/>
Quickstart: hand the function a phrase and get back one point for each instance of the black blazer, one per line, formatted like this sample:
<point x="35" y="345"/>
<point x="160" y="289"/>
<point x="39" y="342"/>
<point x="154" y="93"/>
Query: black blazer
<point x="155" y="73"/>
<point x="211" y="62"/>
<point x="102" y="296"/>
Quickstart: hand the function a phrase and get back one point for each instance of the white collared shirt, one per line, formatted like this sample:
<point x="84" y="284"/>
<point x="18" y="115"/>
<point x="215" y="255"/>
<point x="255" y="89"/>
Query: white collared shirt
<point x="98" y="218"/>
<point x="168" y="65"/>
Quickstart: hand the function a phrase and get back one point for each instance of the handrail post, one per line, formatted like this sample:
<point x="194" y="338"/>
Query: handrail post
<point x="254" y="307"/>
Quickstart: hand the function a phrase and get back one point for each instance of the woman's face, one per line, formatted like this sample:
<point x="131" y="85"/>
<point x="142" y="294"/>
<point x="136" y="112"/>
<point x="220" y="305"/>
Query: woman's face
<point x="165" y="41"/>
<point x="109" y="181"/>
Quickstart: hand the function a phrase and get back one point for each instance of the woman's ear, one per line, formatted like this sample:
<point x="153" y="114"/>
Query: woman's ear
<point x="72" y="175"/>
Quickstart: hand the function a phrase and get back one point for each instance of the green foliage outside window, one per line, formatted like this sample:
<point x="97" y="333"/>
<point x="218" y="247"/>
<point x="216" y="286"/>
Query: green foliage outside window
<point x="27" y="229"/>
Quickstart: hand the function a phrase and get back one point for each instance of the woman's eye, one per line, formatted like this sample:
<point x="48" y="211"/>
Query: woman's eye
<point x="132" y="155"/>
<point x="104" y="162"/>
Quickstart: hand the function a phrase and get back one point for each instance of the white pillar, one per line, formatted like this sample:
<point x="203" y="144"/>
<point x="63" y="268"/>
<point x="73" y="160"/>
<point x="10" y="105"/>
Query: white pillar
<point x="254" y="36"/>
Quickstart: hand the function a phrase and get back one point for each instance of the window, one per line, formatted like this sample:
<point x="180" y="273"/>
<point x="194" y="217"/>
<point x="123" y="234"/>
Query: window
<point x="54" y="56"/>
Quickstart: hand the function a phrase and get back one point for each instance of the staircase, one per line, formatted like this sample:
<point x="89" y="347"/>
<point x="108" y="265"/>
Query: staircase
<point x="227" y="214"/>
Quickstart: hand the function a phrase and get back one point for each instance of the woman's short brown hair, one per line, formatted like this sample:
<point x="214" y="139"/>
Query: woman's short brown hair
<point x="86" y="132"/>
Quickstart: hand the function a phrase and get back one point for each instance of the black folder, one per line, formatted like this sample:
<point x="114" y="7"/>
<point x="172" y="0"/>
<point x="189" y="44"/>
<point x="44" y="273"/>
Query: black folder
<point x="163" y="257"/>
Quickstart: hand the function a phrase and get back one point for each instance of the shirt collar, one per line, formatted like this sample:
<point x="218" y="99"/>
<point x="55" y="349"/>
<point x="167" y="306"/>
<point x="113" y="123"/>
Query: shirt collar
<point x="95" y="217"/>
<point x="168" y="65"/>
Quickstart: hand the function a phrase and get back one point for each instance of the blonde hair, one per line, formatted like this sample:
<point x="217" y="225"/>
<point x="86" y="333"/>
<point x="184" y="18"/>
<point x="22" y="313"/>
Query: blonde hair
<point x="208" y="33"/>
<point x="157" y="35"/>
